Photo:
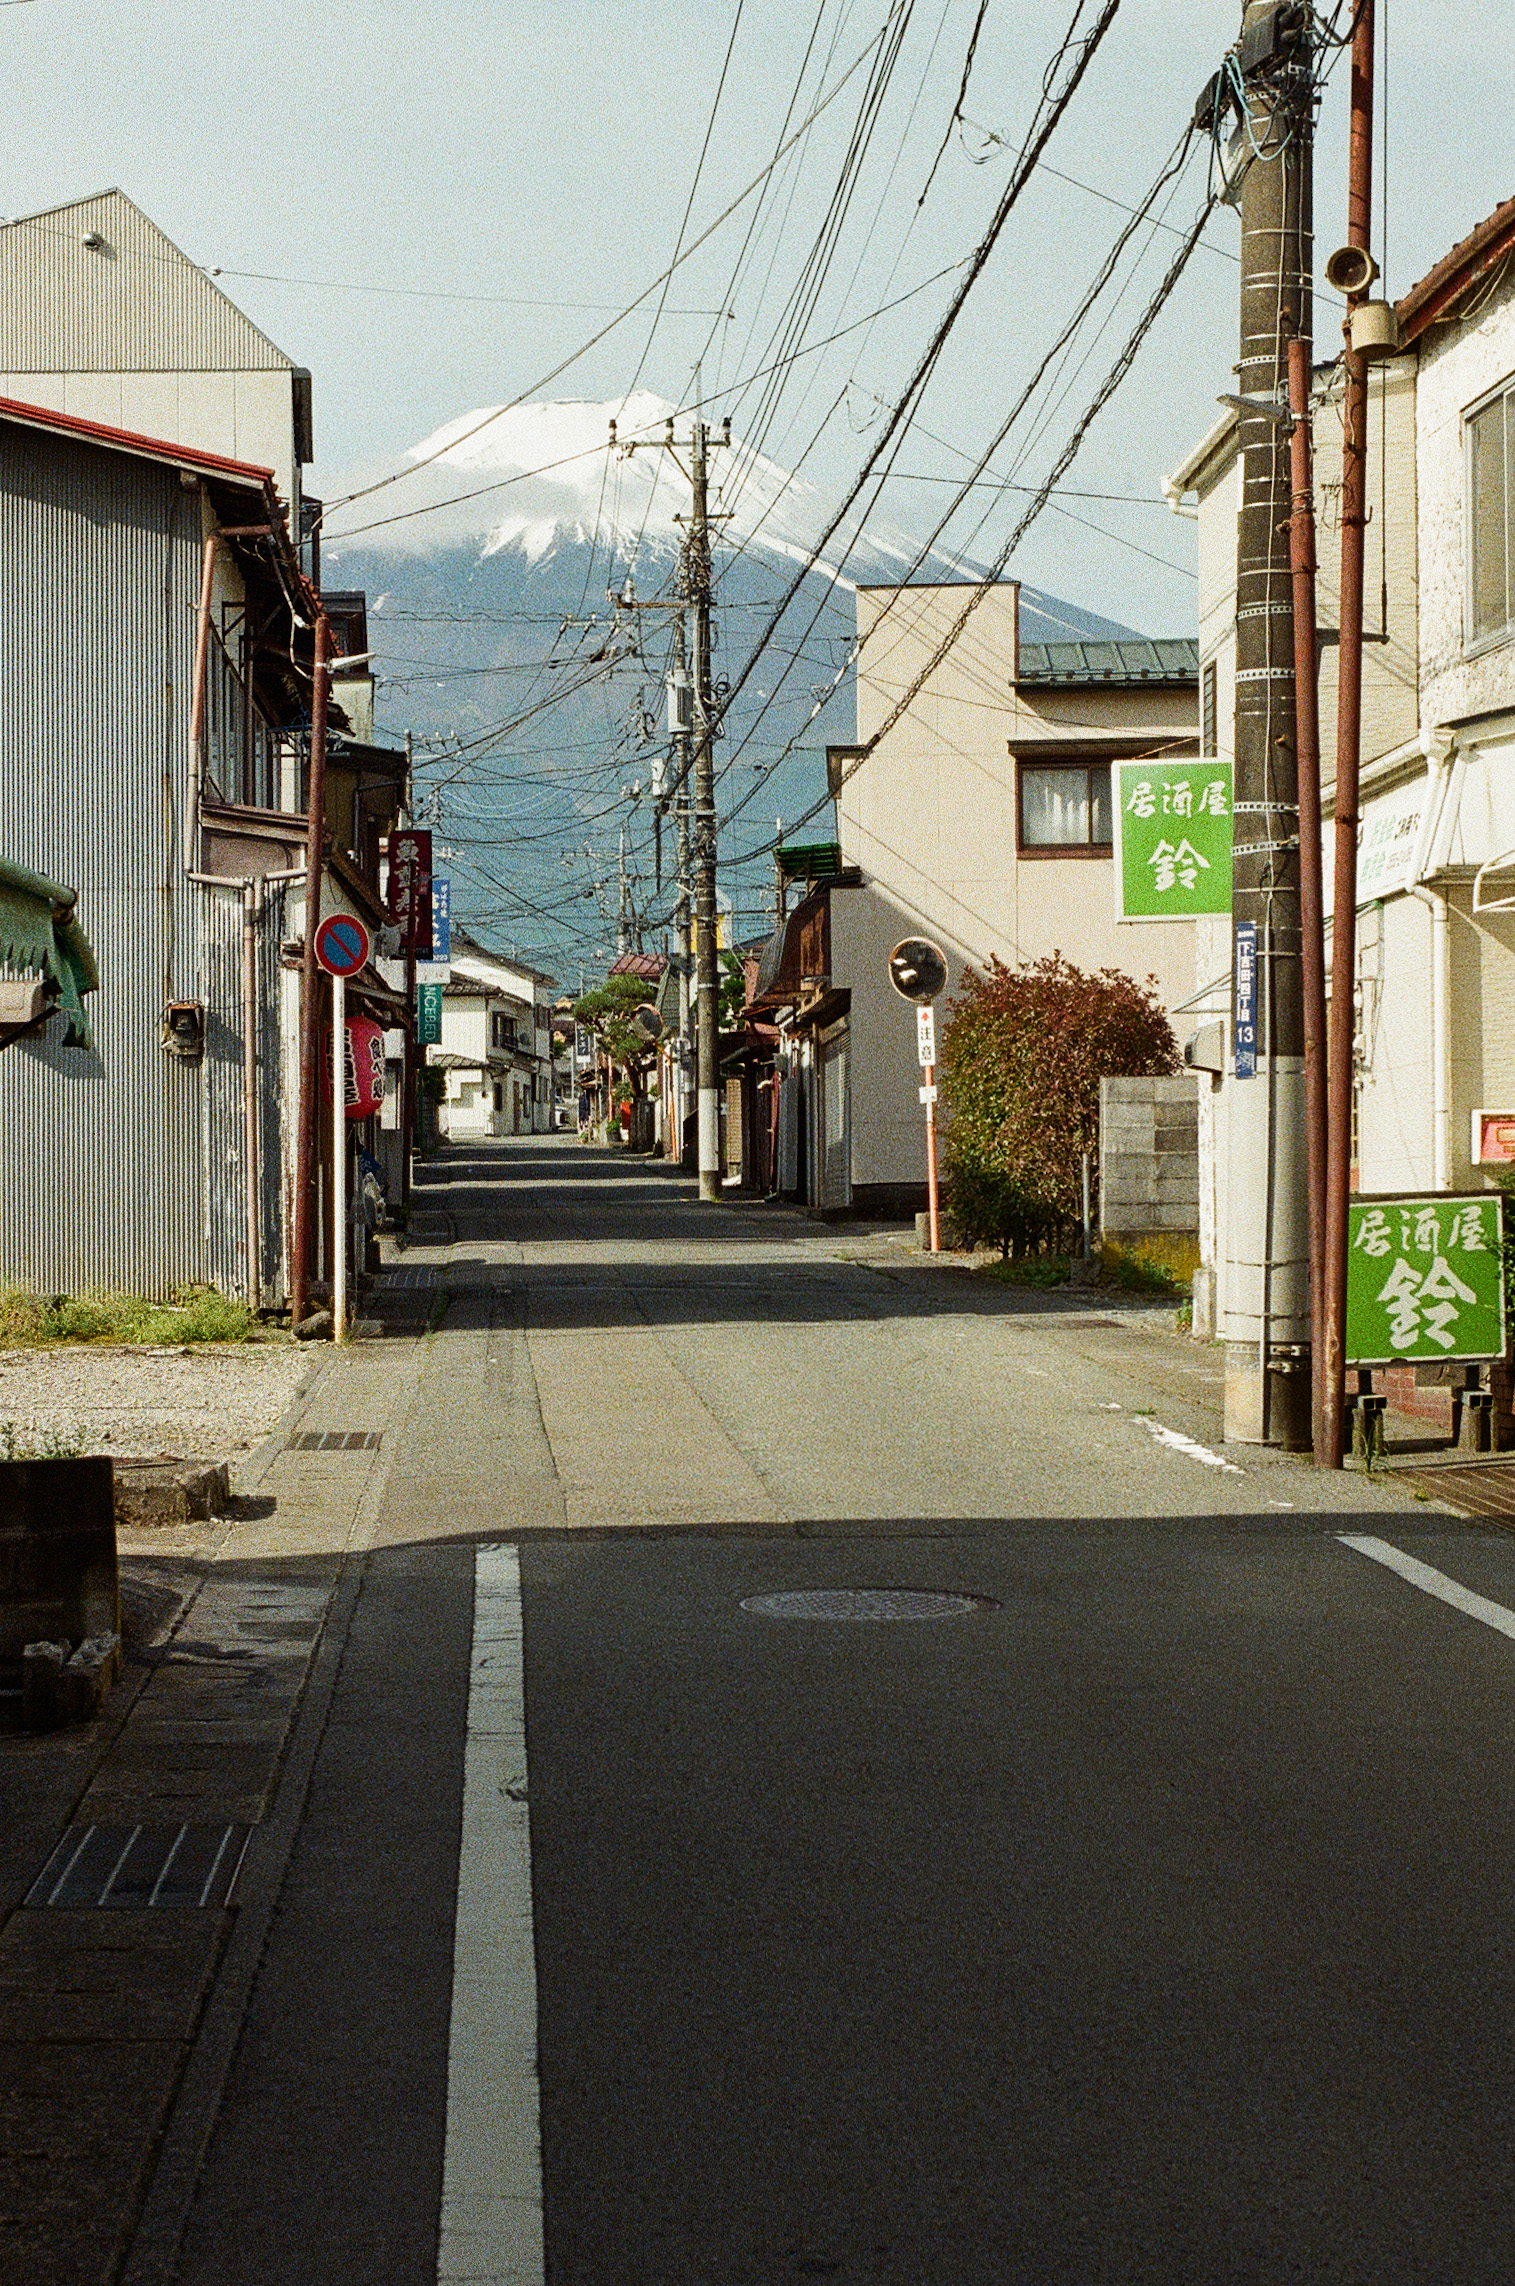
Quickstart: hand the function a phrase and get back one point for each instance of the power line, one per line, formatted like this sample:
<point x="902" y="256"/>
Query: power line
<point x="398" y="475"/>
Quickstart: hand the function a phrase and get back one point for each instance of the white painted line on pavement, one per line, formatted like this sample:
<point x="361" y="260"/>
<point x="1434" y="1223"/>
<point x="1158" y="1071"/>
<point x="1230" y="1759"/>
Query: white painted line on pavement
<point x="1177" y="1442"/>
<point x="491" y="2231"/>
<point x="1495" y="1615"/>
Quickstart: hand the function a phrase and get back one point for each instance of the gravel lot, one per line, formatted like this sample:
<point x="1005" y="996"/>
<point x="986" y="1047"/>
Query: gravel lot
<point x="211" y="1403"/>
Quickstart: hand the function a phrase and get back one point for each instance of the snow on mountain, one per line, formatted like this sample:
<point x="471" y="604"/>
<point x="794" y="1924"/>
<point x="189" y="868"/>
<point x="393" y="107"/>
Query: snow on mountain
<point x="541" y="483"/>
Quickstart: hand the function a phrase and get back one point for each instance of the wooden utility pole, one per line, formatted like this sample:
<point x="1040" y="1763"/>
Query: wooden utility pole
<point x="1354" y="518"/>
<point x="310" y="983"/>
<point x="1267" y="1289"/>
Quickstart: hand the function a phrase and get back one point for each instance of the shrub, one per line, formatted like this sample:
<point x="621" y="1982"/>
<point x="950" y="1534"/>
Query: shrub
<point x="1023" y="1053"/>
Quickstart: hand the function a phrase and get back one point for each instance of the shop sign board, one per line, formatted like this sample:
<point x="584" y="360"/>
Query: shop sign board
<point x="1244" y="1000"/>
<point x="1172" y="839"/>
<point x="1425" y="1278"/>
<point x="410" y="886"/>
<point x="429" y="1015"/>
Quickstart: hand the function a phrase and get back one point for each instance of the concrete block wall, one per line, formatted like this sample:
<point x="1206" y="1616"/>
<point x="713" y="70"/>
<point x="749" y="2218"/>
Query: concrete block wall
<point x="1148" y="1157"/>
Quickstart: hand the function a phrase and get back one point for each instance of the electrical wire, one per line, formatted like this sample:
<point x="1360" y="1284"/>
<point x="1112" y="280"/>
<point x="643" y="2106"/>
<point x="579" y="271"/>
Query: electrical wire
<point x="398" y="475"/>
<point x="1063" y="463"/>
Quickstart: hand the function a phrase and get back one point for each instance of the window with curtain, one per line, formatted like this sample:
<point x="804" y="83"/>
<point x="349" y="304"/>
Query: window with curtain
<point x="1065" y="805"/>
<point x="1491" y="602"/>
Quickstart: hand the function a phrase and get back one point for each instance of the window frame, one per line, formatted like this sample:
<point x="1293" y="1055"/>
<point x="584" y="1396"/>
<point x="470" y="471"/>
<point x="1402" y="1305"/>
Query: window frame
<point x="1084" y="758"/>
<point x="1475" y="645"/>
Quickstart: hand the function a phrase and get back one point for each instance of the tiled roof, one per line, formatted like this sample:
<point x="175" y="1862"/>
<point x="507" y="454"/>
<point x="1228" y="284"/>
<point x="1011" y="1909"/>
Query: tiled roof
<point x="1433" y="296"/>
<point x="1173" y="661"/>
<point x="650" y="965"/>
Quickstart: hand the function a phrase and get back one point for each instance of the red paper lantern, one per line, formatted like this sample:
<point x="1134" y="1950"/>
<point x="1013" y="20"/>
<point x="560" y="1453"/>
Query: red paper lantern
<point x="365" y="1067"/>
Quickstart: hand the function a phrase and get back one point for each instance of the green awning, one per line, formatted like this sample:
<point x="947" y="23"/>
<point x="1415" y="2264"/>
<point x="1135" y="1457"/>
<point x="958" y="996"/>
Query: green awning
<point x="40" y="936"/>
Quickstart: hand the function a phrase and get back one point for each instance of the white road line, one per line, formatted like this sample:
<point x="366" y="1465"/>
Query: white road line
<point x="1495" y="1615"/>
<point x="1177" y="1442"/>
<point x="491" y="2231"/>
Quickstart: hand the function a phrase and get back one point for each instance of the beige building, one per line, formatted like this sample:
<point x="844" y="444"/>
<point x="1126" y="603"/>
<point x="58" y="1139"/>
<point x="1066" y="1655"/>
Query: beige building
<point x="983" y="820"/>
<point x="496" y="1045"/>
<point x="1435" y="984"/>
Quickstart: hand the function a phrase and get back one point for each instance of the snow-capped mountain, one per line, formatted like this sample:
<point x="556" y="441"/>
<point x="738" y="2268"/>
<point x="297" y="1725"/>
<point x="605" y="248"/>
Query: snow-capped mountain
<point x="531" y="481"/>
<point x="493" y="616"/>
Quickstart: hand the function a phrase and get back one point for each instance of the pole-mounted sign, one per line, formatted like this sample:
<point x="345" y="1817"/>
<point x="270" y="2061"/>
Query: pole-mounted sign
<point x="342" y="948"/>
<point x="342" y="944"/>
<point x="918" y="972"/>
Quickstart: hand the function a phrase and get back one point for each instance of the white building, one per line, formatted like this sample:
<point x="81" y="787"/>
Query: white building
<point x="1435" y="983"/>
<point x="496" y="1045"/>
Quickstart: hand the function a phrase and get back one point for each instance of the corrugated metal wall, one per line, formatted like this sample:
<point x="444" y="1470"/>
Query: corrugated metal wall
<point x="121" y="1167"/>
<point x="133" y="304"/>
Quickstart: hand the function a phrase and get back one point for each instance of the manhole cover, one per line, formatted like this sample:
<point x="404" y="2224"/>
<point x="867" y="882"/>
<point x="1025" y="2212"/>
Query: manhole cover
<point x="864" y="1603"/>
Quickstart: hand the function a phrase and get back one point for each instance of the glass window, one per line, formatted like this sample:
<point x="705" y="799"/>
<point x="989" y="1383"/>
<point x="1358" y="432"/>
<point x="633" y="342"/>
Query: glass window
<point x="1489" y="497"/>
<point x="1065" y="805"/>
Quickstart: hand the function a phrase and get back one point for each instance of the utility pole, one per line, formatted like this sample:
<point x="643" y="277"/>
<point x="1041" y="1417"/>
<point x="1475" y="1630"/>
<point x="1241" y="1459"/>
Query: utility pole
<point x="707" y="1077"/>
<point x="696" y="586"/>
<point x="303" y="1245"/>
<point x="1354" y="518"/>
<point x="1267" y="1272"/>
<point x="683" y="798"/>
<point x="623" y="908"/>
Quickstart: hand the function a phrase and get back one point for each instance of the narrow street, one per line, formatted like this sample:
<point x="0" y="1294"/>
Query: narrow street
<point x="1139" y="1915"/>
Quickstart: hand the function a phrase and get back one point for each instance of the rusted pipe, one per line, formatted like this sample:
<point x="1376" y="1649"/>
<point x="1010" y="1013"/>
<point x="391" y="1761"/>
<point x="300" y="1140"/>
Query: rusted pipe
<point x="1311" y="886"/>
<point x="197" y="704"/>
<point x="310" y="1014"/>
<point x="1354" y="507"/>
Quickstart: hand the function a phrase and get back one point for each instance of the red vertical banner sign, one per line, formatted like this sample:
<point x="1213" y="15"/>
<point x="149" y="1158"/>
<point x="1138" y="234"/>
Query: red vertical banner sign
<point x="410" y="888"/>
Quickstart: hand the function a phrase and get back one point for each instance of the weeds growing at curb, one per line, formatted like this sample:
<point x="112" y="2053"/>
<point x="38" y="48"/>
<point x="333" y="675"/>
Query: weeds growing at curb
<point x="192" y="1314"/>
<point x="52" y="1444"/>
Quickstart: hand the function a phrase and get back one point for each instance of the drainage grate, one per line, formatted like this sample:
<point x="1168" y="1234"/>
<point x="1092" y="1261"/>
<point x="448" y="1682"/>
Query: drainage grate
<point x="132" y="1868"/>
<point x="398" y="1281"/>
<point x="336" y="1440"/>
<point x="1478" y="1488"/>
<point x="864" y="1603"/>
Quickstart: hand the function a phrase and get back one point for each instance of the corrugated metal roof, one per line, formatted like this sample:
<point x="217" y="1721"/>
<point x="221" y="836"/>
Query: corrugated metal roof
<point x="96" y="287"/>
<point x="1173" y="660"/>
<point x="649" y="965"/>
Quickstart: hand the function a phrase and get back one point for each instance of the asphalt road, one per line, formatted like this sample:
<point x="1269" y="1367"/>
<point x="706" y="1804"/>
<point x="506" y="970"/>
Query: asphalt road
<point x="1142" y="1917"/>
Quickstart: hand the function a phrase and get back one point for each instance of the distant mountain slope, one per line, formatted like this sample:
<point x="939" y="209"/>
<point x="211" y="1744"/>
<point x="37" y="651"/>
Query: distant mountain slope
<point x="492" y="622"/>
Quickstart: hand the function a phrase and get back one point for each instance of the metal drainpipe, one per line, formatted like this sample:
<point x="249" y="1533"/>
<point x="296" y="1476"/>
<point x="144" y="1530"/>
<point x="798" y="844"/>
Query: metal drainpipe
<point x="197" y="703"/>
<point x="1441" y="1030"/>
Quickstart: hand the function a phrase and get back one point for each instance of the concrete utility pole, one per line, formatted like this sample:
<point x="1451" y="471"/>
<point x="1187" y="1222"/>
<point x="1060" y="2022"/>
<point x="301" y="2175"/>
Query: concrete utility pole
<point x="683" y="799"/>
<point x="623" y="908"/>
<point x="707" y="991"/>
<point x="303" y="1244"/>
<point x="695" y="570"/>
<point x="1267" y="1271"/>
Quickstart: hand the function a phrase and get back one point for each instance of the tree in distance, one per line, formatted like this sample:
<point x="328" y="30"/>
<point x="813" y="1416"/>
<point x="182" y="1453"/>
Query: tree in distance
<point x="1022" y="1055"/>
<point x="609" y="1013"/>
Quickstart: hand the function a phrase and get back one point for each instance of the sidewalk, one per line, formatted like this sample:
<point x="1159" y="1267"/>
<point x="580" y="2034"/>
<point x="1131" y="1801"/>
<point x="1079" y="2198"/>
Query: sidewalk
<point x="102" y="2006"/>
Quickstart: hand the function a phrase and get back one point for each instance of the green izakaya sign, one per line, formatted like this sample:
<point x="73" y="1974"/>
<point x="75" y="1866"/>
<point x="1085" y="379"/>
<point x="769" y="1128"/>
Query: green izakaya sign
<point x="1425" y="1279"/>
<point x="1173" y="839"/>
